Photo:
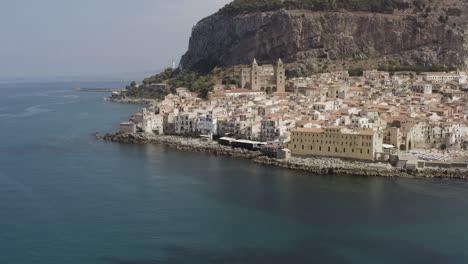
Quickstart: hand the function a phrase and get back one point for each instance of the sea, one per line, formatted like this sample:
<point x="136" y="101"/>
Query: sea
<point x="67" y="198"/>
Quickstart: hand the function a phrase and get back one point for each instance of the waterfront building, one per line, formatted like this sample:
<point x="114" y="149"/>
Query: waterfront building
<point x="127" y="128"/>
<point x="336" y="142"/>
<point x="206" y="124"/>
<point x="271" y="127"/>
<point x="252" y="131"/>
<point x="184" y="124"/>
<point x="158" y="123"/>
<point x="407" y="116"/>
<point x="228" y="127"/>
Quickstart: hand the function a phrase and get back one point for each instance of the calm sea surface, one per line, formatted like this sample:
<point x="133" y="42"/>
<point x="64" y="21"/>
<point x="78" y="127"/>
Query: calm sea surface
<point x="66" y="198"/>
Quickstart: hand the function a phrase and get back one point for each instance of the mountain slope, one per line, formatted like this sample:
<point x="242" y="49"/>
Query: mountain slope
<point x="313" y="39"/>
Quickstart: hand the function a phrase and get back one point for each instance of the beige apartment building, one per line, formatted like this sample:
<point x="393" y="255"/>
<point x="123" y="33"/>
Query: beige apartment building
<point x="336" y="142"/>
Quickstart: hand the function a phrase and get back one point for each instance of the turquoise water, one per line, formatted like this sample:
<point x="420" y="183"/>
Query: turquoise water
<point x="67" y="198"/>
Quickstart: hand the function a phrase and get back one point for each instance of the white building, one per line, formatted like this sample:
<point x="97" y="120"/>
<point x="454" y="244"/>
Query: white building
<point x="158" y="123"/>
<point x="184" y="124"/>
<point x="271" y="128"/>
<point x="443" y="77"/>
<point x="422" y="88"/>
<point x="127" y="128"/>
<point x="361" y="122"/>
<point x="326" y="106"/>
<point x="244" y="92"/>
<point x="206" y="124"/>
<point x="373" y="75"/>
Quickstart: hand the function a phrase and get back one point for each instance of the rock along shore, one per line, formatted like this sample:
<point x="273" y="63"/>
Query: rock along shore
<point x="144" y="101"/>
<point x="181" y="143"/>
<point x="320" y="166"/>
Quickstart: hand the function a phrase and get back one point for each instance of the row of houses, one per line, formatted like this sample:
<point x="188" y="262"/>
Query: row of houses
<point x="331" y="114"/>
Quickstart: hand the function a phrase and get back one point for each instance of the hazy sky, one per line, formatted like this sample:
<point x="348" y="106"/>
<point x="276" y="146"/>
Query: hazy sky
<point x="47" y="38"/>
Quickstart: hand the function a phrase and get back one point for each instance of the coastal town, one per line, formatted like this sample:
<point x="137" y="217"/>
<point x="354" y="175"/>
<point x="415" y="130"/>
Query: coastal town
<point x="407" y="119"/>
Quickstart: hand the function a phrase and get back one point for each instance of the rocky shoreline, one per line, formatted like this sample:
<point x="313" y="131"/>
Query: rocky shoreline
<point x="127" y="100"/>
<point x="181" y="143"/>
<point x="339" y="167"/>
<point x="319" y="166"/>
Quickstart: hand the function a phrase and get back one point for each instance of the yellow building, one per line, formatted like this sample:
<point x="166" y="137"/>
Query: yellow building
<point x="336" y="142"/>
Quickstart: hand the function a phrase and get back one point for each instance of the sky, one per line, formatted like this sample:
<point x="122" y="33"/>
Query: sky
<point x="52" y="38"/>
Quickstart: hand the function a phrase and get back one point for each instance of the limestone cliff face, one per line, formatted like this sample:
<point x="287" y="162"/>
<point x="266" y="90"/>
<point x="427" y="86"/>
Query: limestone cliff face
<point x="310" y="41"/>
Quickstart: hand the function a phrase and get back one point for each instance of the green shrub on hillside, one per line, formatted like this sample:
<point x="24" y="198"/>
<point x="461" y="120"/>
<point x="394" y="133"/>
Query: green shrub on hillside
<point x="160" y="77"/>
<point x="377" y="6"/>
<point x="417" y="68"/>
<point x="194" y="81"/>
<point x="452" y="11"/>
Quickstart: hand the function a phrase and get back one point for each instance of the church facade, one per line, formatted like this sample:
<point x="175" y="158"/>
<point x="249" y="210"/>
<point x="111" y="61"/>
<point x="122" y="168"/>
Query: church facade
<point x="266" y="78"/>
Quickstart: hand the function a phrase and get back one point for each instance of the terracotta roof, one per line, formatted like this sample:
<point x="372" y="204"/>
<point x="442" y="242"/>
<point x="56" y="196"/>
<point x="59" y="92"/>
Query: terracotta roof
<point x="275" y="115"/>
<point x="356" y="89"/>
<point x="242" y="91"/>
<point x="308" y="130"/>
<point x="367" y="132"/>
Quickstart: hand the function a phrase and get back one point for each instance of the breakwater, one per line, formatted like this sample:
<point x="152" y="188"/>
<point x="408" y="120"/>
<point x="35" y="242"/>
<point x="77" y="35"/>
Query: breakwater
<point x="314" y="165"/>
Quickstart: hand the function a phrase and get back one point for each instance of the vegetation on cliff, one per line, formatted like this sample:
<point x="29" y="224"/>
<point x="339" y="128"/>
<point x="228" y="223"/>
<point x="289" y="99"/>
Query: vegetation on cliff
<point x="393" y="68"/>
<point x="418" y="68"/>
<point x="196" y="81"/>
<point x="192" y="80"/>
<point x="376" y="6"/>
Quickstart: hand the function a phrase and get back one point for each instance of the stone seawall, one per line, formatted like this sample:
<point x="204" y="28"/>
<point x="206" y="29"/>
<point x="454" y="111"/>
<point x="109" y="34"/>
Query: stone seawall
<point x="328" y="166"/>
<point x="181" y="143"/>
<point x="127" y="100"/>
<point x="319" y="166"/>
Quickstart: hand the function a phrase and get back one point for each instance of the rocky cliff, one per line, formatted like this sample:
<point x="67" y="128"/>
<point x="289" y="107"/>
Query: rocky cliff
<point x="313" y="41"/>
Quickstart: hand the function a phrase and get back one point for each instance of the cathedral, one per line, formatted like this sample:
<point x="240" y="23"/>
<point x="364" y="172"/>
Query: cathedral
<point x="267" y="78"/>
